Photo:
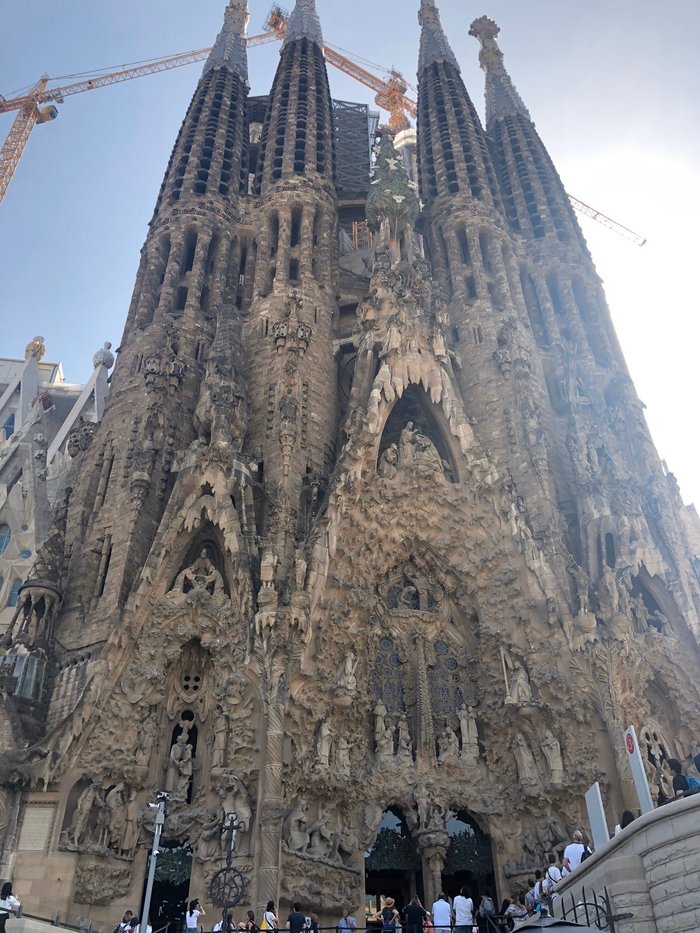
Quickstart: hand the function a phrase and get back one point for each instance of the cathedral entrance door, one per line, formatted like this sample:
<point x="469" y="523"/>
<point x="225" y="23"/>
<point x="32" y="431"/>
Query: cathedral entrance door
<point x="469" y="860"/>
<point x="171" y="887"/>
<point x="392" y="866"/>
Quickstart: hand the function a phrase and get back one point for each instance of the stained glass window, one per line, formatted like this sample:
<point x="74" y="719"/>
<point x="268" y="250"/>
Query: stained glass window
<point x="447" y="681"/>
<point x="387" y="680"/>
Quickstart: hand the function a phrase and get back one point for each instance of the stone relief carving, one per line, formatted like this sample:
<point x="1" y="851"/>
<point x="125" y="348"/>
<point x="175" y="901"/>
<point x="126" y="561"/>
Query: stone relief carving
<point x="99" y="883"/>
<point x="201" y="575"/>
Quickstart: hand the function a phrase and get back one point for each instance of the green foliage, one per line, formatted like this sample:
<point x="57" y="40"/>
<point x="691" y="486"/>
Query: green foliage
<point x="174" y="865"/>
<point x="392" y="851"/>
<point x="469" y="852"/>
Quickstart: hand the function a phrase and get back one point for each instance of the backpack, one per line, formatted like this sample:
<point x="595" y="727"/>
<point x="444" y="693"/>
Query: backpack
<point x="487" y="908"/>
<point x="586" y="853"/>
<point x="263" y="923"/>
<point x="530" y="900"/>
<point x="693" y="782"/>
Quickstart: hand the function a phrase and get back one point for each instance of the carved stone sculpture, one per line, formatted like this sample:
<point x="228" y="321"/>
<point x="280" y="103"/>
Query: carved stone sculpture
<point x="552" y="752"/>
<point x="202" y="575"/>
<point x="469" y="735"/>
<point x="527" y="769"/>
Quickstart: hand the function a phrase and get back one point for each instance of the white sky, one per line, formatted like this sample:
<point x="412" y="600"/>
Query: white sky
<point x="614" y="88"/>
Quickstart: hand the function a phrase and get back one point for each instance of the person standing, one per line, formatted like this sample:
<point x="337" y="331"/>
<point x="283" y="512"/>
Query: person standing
<point x="680" y="781"/>
<point x="250" y="924"/>
<point x="296" y="921"/>
<point x="270" y="921"/>
<point x="551" y="877"/>
<point x="193" y="914"/>
<point x="463" y="907"/>
<point x="573" y="853"/>
<point x="346" y="922"/>
<point x="442" y="914"/>
<point x="414" y="915"/>
<point x="8" y="904"/>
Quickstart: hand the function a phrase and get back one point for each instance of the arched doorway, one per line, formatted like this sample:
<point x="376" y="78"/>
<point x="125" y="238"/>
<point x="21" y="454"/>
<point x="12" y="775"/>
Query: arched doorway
<point x="171" y="887"/>
<point x="469" y="859"/>
<point x="392" y="865"/>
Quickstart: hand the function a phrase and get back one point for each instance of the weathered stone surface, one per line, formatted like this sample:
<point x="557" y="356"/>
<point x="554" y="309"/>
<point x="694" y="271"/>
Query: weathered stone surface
<point x="350" y="543"/>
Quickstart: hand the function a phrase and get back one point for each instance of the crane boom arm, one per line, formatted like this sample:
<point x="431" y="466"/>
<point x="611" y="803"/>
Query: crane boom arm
<point x="91" y="84"/>
<point x="607" y="221"/>
<point x="374" y="83"/>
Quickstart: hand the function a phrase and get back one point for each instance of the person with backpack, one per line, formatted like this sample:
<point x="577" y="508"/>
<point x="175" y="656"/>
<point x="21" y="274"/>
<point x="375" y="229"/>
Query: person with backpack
<point x="250" y="924"/>
<point x="575" y="853"/>
<point x="487" y="910"/>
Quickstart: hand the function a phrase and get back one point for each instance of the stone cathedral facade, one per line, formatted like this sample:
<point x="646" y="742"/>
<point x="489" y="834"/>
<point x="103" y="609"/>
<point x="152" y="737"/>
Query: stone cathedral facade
<point x="373" y="549"/>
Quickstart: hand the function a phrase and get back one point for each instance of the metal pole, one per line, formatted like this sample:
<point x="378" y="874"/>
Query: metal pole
<point x="160" y="819"/>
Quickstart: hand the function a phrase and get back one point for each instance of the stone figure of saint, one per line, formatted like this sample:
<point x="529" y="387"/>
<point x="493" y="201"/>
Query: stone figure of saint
<point x="132" y="824"/>
<point x="640" y="615"/>
<point x="323" y="744"/>
<point x="404" y="745"/>
<point x="582" y="587"/>
<point x="218" y="754"/>
<point x="469" y="735"/>
<point x="524" y="759"/>
<point x="448" y="746"/>
<point x="202" y="575"/>
<point x="552" y="752"/>
<point x="342" y="758"/>
<point x="147" y="736"/>
<point x="180" y="768"/>
<point x="296" y="835"/>
<point x="86" y="801"/>
<point x="520" y="691"/>
<point x="117" y="816"/>
<point x="380" y="714"/>
<point x="347" y="681"/>
<point x="208" y="844"/>
<point x="407" y="444"/>
<point x="389" y="462"/>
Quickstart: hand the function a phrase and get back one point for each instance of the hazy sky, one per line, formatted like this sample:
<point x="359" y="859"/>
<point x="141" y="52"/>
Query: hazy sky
<point x="614" y="88"/>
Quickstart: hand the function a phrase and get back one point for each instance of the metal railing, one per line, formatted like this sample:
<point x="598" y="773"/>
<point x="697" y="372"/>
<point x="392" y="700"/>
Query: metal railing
<point x="590" y="906"/>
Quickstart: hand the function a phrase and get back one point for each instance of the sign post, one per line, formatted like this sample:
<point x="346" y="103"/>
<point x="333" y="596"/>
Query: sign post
<point x="596" y="817"/>
<point x="634" y="756"/>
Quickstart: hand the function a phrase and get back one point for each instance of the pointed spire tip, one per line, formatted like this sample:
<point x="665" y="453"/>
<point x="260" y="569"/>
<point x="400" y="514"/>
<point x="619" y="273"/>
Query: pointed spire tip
<point x="304" y="23"/>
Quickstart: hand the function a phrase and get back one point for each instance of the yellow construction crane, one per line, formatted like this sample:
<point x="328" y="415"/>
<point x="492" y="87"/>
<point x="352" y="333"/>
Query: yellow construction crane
<point x="37" y="105"/>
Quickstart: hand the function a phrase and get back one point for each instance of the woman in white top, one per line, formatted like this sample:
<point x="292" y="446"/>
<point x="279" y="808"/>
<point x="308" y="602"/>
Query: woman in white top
<point x="270" y="917"/>
<point x="8" y="903"/>
<point x="193" y="914"/>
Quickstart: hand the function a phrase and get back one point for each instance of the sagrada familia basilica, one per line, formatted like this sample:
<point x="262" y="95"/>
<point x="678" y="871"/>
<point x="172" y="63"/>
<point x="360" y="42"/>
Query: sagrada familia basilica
<point x="371" y="547"/>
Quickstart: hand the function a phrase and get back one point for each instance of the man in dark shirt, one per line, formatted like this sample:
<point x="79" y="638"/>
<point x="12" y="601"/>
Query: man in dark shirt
<point x="296" y="921"/>
<point x="680" y="783"/>
<point x="413" y="916"/>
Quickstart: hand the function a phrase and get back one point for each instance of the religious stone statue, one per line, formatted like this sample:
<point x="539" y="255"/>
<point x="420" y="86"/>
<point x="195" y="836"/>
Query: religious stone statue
<point x="342" y="758"/>
<point x="180" y="767"/>
<point x="296" y="835"/>
<point x="347" y="681"/>
<point x="407" y="444"/>
<point x="448" y="746"/>
<point x="117" y="816"/>
<point x="132" y="825"/>
<point x="582" y="587"/>
<point x="552" y="752"/>
<point x="147" y="735"/>
<point x="404" y="745"/>
<point x="469" y="734"/>
<point x="324" y="741"/>
<point x="202" y="575"/>
<point x="520" y="691"/>
<point x="640" y="615"/>
<point x="527" y="769"/>
<point x="383" y="733"/>
<point x="86" y="801"/>
<point x="208" y="843"/>
<point x="389" y="462"/>
<point x="218" y="754"/>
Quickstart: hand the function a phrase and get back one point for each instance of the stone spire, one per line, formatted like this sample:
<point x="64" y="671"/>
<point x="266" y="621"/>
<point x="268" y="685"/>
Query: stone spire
<point x="502" y="99"/>
<point x="434" y="46"/>
<point x="230" y="49"/>
<point x="304" y="23"/>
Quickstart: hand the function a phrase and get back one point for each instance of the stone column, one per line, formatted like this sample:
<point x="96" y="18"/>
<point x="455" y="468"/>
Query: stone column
<point x="272" y="804"/>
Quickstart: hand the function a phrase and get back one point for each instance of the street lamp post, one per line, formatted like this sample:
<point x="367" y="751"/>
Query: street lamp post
<point x="160" y="820"/>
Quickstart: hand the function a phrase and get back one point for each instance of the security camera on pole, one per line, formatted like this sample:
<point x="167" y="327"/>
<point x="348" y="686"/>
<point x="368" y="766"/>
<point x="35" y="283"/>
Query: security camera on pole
<point x="159" y="805"/>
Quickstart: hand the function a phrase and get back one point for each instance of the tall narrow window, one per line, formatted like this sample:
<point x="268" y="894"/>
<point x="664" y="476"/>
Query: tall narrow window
<point x="5" y="536"/>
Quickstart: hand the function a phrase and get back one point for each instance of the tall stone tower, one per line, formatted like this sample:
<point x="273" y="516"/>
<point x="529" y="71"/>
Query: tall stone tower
<point x="372" y="548"/>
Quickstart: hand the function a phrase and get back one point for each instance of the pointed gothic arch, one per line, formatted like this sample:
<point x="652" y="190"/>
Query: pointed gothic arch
<point x="416" y="428"/>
